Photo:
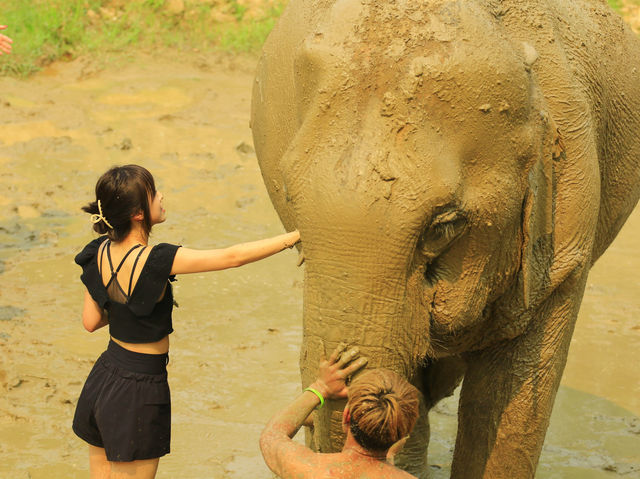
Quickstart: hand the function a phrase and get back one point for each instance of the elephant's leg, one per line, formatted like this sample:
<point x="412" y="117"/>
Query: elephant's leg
<point x="509" y="389"/>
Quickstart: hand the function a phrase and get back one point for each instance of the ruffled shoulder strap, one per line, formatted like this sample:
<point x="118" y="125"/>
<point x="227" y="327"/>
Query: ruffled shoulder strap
<point x="89" y="252"/>
<point x="90" y="274"/>
<point x="153" y="279"/>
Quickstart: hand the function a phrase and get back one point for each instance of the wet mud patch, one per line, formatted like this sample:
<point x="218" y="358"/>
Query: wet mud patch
<point x="29" y="229"/>
<point x="7" y="313"/>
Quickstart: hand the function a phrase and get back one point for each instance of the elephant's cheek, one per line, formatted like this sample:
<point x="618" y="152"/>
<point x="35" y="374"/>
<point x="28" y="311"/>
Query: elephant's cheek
<point x="418" y="315"/>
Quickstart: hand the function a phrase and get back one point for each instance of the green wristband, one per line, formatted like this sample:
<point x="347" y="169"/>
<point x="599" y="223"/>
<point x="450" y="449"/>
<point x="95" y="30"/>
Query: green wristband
<point x="317" y="393"/>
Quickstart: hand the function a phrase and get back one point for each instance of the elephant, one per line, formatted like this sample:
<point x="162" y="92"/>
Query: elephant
<point x="454" y="168"/>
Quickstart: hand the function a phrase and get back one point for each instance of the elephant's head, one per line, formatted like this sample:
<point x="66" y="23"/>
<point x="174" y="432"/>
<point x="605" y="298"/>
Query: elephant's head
<point x="411" y="148"/>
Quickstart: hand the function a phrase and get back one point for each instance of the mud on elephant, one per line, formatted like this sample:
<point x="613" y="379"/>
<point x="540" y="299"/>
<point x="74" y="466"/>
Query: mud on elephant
<point x="454" y="168"/>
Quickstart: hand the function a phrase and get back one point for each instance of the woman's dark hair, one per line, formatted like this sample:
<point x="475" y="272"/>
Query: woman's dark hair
<point x="383" y="408"/>
<point x="123" y="192"/>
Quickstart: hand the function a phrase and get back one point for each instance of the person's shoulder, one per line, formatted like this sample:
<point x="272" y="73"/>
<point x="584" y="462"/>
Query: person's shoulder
<point x="89" y="251"/>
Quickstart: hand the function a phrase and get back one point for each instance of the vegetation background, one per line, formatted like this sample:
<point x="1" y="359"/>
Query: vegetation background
<point x="48" y="30"/>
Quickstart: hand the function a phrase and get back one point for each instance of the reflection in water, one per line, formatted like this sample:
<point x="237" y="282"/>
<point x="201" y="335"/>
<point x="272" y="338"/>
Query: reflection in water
<point x="234" y="355"/>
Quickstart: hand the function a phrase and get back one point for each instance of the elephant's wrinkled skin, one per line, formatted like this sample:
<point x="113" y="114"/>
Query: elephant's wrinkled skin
<point x="454" y="168"/>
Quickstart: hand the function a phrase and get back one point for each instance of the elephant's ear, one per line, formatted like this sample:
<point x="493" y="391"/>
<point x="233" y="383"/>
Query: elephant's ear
<point x="538" y="218"/>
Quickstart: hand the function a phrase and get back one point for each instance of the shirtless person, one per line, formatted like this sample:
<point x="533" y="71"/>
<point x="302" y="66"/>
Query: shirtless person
<point x="381" y="410"/>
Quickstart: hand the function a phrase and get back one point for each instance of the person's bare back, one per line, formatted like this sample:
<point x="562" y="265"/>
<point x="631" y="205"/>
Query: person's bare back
<point x="353" y="464"/>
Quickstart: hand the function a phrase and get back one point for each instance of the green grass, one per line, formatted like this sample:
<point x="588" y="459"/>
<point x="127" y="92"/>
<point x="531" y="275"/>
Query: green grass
<point x="47" y="30"/>
<point x="40" y="34"/>
<point x="615" y="4"/>
<point x="618" y="4"/>
<point x="248" y="37"/>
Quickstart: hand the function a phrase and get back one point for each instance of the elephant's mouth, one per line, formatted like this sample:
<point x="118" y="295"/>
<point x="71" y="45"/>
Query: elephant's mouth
<point x="454" y="322"/>
<point x="447" y="338"/>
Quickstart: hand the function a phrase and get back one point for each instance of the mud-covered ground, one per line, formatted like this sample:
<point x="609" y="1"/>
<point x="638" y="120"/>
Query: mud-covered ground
<point x="234" y="354"/>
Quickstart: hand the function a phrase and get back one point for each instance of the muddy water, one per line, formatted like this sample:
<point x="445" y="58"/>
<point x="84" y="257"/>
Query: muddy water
<point x="235" y="350"/>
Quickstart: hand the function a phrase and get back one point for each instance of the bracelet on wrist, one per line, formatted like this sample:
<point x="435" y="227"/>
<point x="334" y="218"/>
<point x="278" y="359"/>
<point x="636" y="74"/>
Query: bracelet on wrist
<point x="317" y="393"/>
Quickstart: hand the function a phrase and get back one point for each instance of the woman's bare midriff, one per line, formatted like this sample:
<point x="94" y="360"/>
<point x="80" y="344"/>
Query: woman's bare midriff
<point x="159" y="347"/>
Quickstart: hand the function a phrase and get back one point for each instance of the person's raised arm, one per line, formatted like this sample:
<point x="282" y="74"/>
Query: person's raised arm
<point x="198" y="261"/>
<point x="5" y="42"/>
<point x="285" y="457"/>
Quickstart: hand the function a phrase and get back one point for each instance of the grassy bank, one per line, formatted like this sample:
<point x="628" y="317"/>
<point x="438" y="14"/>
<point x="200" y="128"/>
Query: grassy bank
<point x="47" y="30"/>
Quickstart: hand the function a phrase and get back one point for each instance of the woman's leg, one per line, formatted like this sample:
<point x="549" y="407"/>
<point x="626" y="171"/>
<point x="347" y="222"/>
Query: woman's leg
<point x="99" y="467"/>
<point x="142" y="469"/>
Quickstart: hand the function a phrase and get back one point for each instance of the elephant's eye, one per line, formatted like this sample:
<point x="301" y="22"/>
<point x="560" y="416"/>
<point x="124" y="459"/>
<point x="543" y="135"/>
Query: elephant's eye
<point x="442" y="231"/>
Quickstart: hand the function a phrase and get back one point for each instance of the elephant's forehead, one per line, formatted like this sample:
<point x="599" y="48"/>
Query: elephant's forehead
<point x="454" y="51"/>
<point x="395" y="28"/>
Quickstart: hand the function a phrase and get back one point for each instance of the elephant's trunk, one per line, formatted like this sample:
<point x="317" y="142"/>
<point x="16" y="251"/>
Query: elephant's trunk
<point x="356" y="298"/>
<point x="361" y="285"/>
<point x="383" y="327"/>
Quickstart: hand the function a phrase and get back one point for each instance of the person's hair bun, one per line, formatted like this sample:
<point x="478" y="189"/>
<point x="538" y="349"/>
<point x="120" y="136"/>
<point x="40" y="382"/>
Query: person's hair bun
<point x="122" y="192"/>
<point x="383" y="408"/>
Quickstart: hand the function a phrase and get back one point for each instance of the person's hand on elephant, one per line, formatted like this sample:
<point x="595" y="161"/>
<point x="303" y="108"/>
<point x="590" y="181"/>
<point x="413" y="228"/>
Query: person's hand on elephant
<point x="5" y="42"/>
<point x="334" y="372"/>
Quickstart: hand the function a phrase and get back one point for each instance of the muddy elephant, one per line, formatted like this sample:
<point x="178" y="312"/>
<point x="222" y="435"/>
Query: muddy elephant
<point x="454" y="168"/>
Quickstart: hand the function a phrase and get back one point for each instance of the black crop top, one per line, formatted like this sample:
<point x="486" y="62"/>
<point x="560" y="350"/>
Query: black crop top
<point x="142" y="319"/>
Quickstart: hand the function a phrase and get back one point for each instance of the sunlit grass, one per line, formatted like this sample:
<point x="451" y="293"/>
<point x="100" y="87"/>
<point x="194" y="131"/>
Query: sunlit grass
<point x="249" y="36"/>
<point x="615" y="4"/>
<point x="47" y="30"/>
<point x="40" y="33"/>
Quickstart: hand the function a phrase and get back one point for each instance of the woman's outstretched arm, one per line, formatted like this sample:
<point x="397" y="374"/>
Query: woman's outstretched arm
<point x="198" y="261"/>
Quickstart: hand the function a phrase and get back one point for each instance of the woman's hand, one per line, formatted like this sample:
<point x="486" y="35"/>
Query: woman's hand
<point x="292" y="239"/>
<point x="334" y="372"/>
<point x="5" y="42"/>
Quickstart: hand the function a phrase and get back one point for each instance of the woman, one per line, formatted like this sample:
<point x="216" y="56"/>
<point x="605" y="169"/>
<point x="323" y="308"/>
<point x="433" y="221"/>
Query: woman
<point x="124" y="410"/>
<point x="381" y="410"/>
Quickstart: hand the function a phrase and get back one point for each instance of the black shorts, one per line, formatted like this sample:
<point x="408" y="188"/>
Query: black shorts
<point x="125" y="405"/>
